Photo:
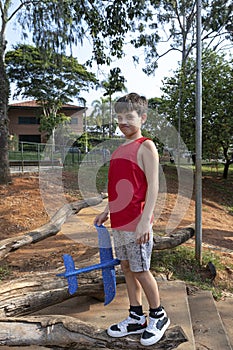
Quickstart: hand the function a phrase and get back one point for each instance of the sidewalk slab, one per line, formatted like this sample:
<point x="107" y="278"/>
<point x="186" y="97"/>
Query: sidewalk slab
<point x="225" y="310"/>
<point x="174" y="298"/>
<point x="209" y="332"/>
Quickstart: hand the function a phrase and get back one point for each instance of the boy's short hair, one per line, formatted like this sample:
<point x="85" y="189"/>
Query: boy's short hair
<point x="131" y="102"/>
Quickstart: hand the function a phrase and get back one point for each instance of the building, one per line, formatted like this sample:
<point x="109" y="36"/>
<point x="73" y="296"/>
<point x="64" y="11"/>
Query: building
<point x="24" y="120"/>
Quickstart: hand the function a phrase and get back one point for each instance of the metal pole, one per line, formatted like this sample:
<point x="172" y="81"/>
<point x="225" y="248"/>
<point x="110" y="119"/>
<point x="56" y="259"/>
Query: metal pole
<point x="85" y="117"/>
<point x="198" y="178"/>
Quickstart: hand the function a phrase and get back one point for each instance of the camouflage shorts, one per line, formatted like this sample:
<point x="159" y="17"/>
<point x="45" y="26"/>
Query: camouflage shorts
<point x="126" y="248"/>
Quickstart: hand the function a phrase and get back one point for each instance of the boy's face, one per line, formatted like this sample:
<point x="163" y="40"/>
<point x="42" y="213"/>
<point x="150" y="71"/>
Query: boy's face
<point x="130" y="123"/>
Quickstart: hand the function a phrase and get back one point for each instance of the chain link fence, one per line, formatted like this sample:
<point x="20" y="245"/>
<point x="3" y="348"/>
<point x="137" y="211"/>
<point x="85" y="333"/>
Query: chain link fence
<point x="29" y="156"/>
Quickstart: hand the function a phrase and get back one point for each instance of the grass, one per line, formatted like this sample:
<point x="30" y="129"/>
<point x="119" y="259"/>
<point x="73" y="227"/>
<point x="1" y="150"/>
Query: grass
<point x="180" y="263"/>
<point x="4" y="272"/>
<point x="102" y="179"/>
<point x="230" y="210"/>
<point x="26" y="156"/>
<point x="99" y="178"/>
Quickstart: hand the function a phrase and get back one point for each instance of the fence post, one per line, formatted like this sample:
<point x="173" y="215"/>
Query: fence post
<point x="38" y="155"/>
<point x="22" y="159"/>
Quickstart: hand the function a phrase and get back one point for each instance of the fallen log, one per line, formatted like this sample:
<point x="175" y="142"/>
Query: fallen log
<point x="37" y="291"/>
<point x="47" y="230"/>
<point x="173" y="239"/>
<point x="59" y="218"/>
<point x="34" y="292"/>
<point x="65" y="332"/>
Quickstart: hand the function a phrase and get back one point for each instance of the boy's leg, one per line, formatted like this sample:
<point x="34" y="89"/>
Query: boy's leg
<point x="121" y="239"/>
<point x="135" y="323"/>
<point x="149" y="286"/>
<point x="158" y="320"/>
<point x="133" y="286"/>
<point x="140" y="263"/>
<point x="135" y="264"/>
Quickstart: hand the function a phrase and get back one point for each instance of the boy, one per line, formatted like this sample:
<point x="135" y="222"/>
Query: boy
<point x="132" y="193"/>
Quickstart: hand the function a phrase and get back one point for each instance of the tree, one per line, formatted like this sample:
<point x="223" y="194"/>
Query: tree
<point x="51" y="83"/>
<point x="99" y="118"/>
<point x="157" y="124"/>
<point x="173" y="23"/>
<point x="58" y="25"/>
<point x="115" y="82"/>
<point x="61" y="24"/>
<point x="217" y="104"/>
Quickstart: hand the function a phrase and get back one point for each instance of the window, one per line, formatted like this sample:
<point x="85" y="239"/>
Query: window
<point x="74" y="121"/>
<point x="30" y="138"/>
<point x="29" y="120"/>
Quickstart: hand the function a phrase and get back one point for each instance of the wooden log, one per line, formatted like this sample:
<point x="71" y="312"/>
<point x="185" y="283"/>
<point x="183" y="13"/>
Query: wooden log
<point x="173" y="239"/>
<point x="65" y="332"/>
<point x="39" y="290"/>
<point x="60" y="217"/>
<point x="47" y="230"/>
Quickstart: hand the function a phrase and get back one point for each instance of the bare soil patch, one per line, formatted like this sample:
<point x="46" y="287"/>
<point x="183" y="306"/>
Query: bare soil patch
<point x="22" y="210"/>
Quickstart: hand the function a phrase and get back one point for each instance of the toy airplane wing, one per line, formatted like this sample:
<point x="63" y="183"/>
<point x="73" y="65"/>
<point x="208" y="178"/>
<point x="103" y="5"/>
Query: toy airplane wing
<point x="106" y="264"/>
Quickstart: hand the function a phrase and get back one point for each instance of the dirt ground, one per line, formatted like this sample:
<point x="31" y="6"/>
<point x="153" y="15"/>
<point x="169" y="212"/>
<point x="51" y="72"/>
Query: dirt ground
<point x="22" y="210"/>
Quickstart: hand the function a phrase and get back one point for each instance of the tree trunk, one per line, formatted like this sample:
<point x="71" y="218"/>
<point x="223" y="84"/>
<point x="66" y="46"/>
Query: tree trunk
<point x="47" y="230"/>
<point x="4" y="94"/>
<point x="38" y="291"/>
<point x="65" y="332"/>
<point x="226" y="167"/>
<point x="173" y="239"/>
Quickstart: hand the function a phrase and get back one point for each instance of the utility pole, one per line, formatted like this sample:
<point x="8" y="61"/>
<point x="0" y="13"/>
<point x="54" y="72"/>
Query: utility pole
<point x="198" y="163"/>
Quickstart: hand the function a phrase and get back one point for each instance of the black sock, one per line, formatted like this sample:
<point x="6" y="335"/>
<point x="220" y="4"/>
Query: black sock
<point x="155" y="311"/>
<point x="136" y="309"/>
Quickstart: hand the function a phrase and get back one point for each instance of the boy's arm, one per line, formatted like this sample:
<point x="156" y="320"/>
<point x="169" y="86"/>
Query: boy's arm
<point x="149" y="162"/>
<point x="102" y="217"/>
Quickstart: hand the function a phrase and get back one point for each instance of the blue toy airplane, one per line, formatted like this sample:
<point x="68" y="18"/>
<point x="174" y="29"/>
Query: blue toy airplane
<point x="107" y="264"/>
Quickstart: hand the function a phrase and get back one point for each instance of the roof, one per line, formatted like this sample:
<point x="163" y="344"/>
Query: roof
<point x="34" y="104"/>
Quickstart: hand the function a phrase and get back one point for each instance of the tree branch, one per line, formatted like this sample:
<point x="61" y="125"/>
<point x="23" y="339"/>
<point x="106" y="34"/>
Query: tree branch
<point x="47" y="230"/>
<point x="166" y="52"/>
<point x="20" y="7"/>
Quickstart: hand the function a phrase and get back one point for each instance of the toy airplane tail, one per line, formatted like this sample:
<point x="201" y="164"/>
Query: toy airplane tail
<point x="107" y="264"/>
<point x="71" y="278"/>
<point x="108" y="274"/>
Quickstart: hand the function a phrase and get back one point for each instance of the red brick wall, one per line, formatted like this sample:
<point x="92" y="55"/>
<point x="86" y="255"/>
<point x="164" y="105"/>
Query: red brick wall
<point x="33" y="129"/>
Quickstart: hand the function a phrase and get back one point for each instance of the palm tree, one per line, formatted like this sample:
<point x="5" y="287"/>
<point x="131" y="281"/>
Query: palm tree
<point x="98" y="119"/>
<point x="115" y="82"/>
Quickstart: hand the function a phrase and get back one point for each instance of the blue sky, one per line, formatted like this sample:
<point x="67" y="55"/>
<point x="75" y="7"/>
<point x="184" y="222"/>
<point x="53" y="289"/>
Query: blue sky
<point x="137" y="81"/>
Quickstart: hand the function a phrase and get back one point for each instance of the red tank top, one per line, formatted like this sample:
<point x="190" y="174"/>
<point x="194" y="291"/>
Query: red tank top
<point x="127" y="186"/>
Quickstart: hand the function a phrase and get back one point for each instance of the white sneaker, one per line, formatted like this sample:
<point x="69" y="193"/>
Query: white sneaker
<point x="134" y="324"/>
<point x="156" y="328"/>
